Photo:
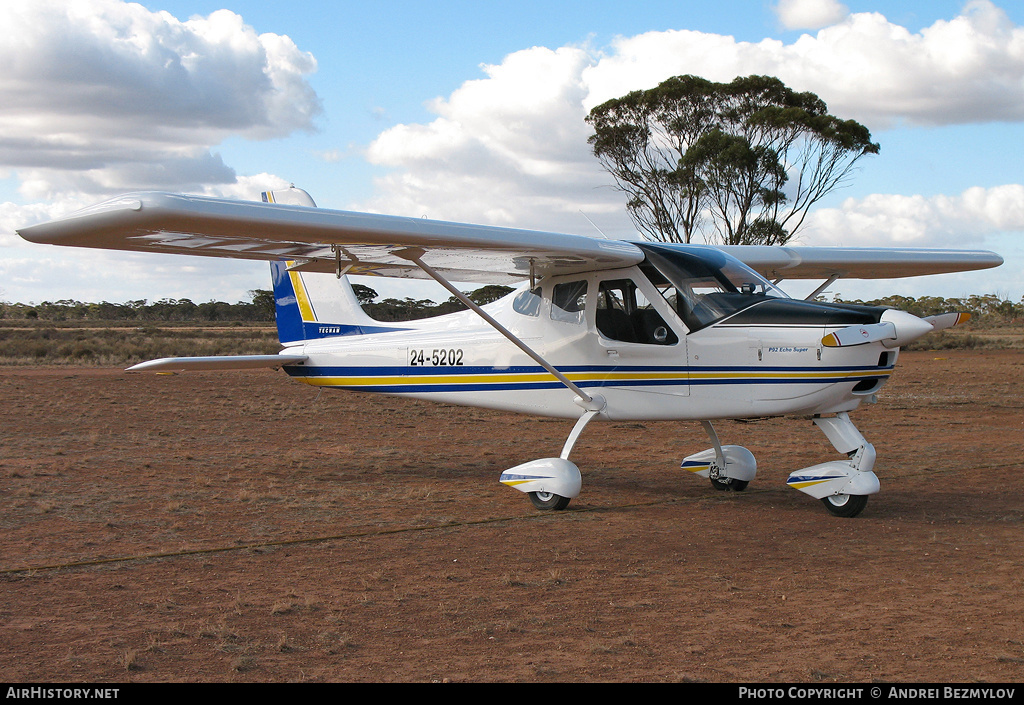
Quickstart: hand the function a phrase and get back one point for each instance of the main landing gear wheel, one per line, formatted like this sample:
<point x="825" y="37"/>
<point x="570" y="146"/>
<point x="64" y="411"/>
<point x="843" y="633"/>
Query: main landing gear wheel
<point x="548" y="500"/>
<point x="729" y="484"/>
<point x="845" y="505"/>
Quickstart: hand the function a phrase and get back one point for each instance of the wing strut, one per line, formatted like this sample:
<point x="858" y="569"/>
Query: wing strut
<point x="829" y="282"/>
<point x="413" y="254"/>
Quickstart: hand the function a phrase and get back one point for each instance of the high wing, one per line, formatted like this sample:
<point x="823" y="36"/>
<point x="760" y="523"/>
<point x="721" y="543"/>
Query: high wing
<point x="323" y="240"/>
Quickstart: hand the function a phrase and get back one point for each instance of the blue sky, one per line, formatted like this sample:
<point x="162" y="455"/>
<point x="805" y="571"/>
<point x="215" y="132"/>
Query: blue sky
<point x="380" y="65"/>
<point x="473" y="111"/>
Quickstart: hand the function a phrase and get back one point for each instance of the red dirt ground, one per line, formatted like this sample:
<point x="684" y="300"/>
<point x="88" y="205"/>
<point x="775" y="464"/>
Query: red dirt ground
<point x="237" y="527"/>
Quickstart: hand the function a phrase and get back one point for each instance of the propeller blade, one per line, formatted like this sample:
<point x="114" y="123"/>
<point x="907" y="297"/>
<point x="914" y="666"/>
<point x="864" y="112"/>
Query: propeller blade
<point x="859" y="335"/>
<point x="896" y="328"/>
<point x="947" y="320"/>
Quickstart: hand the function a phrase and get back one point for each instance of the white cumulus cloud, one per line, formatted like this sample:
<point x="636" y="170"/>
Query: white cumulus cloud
<point x="100" y="95"/>
<point x="510" y="148"/>
<point x="967" y="69"/>
<point x="892" y="220"/>
<point x="810" y="14"/>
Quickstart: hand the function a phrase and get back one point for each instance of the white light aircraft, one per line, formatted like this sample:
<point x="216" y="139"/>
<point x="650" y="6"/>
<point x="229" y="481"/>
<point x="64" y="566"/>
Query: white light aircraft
<point x="597" y="329"/>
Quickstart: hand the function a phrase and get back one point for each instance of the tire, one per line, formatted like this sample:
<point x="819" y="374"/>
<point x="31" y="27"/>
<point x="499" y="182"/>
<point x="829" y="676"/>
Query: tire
<point x="845" y="505"/>
<point x="548" y="500"/>
<point x="729" y="485"/>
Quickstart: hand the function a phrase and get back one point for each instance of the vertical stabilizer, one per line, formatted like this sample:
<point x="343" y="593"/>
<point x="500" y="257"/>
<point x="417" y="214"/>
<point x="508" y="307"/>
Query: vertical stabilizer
<point x="312" y="306"/>
<point x="290" y="196"/>
<point x="309" y="305"/>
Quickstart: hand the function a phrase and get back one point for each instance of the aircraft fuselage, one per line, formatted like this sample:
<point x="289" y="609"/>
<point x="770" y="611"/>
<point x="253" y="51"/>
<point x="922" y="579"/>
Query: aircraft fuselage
<point x="748" y="364"/>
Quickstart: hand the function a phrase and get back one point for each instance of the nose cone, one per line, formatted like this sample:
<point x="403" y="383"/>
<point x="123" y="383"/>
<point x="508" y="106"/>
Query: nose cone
<point x="908" y="327"/>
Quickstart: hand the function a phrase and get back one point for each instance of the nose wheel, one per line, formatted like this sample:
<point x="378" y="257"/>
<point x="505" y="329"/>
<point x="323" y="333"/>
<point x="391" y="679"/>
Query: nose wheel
<point x="845" y="505"/>
<point x="548" y="500"/>
<point x="729" y="484"/>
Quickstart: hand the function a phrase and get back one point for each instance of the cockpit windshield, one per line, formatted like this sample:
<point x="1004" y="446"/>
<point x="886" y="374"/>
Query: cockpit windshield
<point x="703" y="284"/>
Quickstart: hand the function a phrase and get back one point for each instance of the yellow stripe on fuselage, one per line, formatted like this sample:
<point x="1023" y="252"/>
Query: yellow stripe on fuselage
<point x="816" y="374"/>
<point x="597" y="376"/>
<point x="499" y="378"/>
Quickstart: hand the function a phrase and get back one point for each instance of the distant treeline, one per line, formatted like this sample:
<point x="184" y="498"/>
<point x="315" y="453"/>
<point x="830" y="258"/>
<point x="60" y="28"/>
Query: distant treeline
<point x="984" y="309"/>
<point x="410" y="309"/>
<point x="987" y="308"/>
<point x="259" y="308"/>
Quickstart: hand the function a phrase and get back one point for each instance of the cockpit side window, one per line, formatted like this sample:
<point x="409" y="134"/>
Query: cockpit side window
<point x="569" y="302"/>
<point x="624" y="313"/>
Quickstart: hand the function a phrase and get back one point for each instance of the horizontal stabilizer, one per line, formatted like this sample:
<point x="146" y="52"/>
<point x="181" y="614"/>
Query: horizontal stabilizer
<point x="215" y="362"/>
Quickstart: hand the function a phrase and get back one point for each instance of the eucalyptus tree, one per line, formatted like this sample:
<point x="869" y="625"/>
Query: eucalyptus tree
<point x="736" y="163"/>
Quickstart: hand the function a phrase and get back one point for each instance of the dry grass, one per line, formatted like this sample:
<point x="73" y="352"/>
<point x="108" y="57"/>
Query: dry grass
<point x="1008" y="337"/>
<point x="90" y="343"/>
<point x="648" y="576"/>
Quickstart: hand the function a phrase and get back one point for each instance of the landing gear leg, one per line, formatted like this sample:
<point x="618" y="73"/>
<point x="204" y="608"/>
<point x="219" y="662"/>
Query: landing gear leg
<point x="730" y="468"/>
<point x="552" y="482"/>
<point x="843" y="486"/>
<point x="719" y="480"/>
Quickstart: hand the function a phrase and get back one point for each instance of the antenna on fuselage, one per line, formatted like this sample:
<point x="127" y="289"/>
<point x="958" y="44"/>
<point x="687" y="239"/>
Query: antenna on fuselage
<point x="594" y="224"/>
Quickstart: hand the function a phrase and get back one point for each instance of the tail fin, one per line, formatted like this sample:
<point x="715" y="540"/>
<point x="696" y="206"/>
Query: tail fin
<point x="290" y="196"/>
<point x="311" y="306"/>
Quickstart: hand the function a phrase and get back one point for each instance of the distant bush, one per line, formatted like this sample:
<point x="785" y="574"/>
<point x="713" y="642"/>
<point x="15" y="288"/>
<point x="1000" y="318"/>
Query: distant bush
<point x="261" y="308"/>
<point x="76" y="333"/>
<point x="410" y="309"/>
<point x="986" y="310"/>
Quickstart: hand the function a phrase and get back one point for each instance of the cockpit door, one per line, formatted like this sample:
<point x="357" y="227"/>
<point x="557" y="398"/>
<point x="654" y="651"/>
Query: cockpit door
<point x="640" y="337"/>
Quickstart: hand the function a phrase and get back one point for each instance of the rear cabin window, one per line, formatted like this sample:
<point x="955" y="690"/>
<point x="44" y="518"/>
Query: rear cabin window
<point x="569" y="302"/>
